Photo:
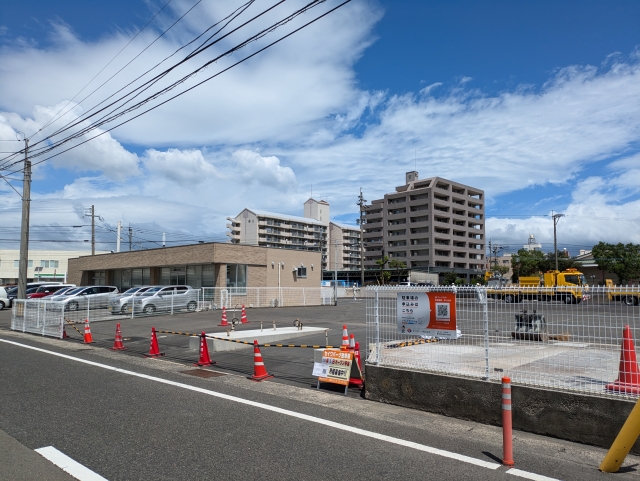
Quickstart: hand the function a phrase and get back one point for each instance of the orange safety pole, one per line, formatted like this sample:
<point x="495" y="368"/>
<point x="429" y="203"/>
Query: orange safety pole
<point x="507" y="441"/>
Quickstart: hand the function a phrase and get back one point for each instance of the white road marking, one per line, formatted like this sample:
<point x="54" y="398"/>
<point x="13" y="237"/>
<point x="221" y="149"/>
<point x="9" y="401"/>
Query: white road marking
<point x="64" y="462"/>
<point x="286" y="412"/>
<point x="528" y="475"/>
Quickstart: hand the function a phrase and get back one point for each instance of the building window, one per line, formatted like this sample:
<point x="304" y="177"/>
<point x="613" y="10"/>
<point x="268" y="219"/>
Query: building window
<point x="237" y="277"/>
<point x="16" y="264"/>
<point x="301" y="273"/>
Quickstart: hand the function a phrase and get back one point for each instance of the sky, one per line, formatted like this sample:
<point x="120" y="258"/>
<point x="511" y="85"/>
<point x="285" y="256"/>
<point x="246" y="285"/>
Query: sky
<point x="536" y="103"/>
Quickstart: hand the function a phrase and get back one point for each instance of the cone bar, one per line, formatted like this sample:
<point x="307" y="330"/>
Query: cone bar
<point x="154" y="349"/>
<point x="259" y="371"/>
<point x="345" y="339"/>
<point x="88" y="338"/>
<point x="628" y="381"/>
<point x="243" y="317"/>
<point x="117" y="343"/>
<point x="205" y="360"/>
<point x="224" y="322"/>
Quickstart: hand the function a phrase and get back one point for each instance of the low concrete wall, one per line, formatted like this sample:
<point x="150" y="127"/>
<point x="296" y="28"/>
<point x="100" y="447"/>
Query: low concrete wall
<point x="574" y="417"/>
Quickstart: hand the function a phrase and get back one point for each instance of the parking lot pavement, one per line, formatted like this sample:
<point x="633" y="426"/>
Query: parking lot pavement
<point x="288" y="365"/>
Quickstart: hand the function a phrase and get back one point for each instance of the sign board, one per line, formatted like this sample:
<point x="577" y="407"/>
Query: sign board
<point x="335" y="367"/>
<point x="427" y="314"/>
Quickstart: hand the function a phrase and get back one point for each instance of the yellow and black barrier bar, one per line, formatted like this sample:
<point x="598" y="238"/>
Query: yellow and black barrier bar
<point x="72" y="324"/>
<point x="307" y="346"/>
<point x="411" y="343"/>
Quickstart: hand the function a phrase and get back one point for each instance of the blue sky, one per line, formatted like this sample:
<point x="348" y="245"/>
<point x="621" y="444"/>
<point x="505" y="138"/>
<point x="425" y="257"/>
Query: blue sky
<point x="535" y="102"/>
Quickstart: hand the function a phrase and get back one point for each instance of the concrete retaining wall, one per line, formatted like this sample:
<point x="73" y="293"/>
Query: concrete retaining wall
<point x="574" y="417"/>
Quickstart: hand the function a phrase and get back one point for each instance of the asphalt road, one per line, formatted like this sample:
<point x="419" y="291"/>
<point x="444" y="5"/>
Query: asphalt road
<point x="127" y="417"/>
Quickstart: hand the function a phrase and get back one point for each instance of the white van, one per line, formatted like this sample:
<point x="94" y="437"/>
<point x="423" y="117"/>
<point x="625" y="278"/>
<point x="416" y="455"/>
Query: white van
<point x="4" y="298"/>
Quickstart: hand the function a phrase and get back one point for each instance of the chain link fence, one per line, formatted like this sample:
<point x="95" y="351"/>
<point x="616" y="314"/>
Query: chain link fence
<point x="38" y="317"/>
<point x="538" y="340"/>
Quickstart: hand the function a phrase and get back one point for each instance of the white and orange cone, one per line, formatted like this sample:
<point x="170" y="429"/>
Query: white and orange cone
<point x="352" y="342"/>
<point x="117" y="343"/>
<point x="259" y="371"/>
<point x="224" y="321"/>
<point x="345" y="339"/>
<point x="88" y="338"/>
<point x="243" y="317"/>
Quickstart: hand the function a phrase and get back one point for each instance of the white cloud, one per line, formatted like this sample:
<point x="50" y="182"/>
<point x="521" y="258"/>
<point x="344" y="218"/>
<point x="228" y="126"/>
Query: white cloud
<point x="254" y="168"/>
<point x="185" y="167"/>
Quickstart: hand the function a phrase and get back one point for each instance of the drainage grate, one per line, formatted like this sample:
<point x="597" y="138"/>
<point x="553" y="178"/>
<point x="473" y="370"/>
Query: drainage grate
<point x="203" y="373"/>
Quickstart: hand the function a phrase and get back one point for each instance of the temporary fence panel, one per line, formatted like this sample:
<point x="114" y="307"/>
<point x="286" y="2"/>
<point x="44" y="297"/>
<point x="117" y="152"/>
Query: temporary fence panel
<point x="38" y="317"/>
<point x="254" y="297"/>
<point x="540" y="338"/>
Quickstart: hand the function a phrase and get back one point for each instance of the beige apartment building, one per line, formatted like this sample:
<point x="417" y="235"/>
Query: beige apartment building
<point x="344" y="247"/>
<point x="430" y="224"/>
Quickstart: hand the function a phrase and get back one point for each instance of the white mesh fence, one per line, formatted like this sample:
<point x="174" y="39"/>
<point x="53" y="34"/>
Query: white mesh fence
<point x="38" y="317"/>
<point x="268" y="296"/>
<point x="539" y="338"/>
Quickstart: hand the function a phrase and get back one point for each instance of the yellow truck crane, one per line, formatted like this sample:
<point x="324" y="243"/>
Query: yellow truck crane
<point x="630" y="295"/>
<point x="568" y="286"/>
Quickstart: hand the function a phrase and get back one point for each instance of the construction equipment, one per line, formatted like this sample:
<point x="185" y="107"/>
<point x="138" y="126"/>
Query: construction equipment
<point x="629" y="295"/>
<point x="568" y="286"/>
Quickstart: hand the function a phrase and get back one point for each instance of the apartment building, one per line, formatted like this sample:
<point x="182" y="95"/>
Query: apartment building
<point x="43" y="265"/>
<point x="344" y="247"/>
<point x="269" y="229"/>
<point x="430" y="224"/>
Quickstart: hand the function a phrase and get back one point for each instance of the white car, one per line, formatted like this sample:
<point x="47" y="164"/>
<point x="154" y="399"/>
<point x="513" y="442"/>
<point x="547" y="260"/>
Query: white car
<point x="4" y="298"/>
<point x="95" y="297"/>
<point x="167" y="298"/>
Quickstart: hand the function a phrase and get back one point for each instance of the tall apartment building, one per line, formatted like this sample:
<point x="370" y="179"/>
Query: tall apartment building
<point x="430" y="223"/>
<point x="337" y="242"/>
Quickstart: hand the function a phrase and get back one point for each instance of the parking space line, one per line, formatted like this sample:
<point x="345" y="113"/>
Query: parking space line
<point x="69" y="465"/>
<point x="343" y="427"/>
<point x="528" y="475"/>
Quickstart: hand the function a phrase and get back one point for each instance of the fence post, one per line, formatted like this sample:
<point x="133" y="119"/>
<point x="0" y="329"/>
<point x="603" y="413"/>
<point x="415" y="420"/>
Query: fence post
<point x="174" y="293"/>
<point x="88" y="307"/>
<point x="377" y="319"/>
<point x="481" y="292"/>
<point x="44" y="322"/>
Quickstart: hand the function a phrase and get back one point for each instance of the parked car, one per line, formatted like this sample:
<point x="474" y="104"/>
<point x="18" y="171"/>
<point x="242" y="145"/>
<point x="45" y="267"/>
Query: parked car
<point x="4" y="298"/>
<point x="12" y="293"/>
<point x="96" y="297"/>
<point x="120" y="303"/>
<point x="48" y="290"/>
<point x="166" y="298"/>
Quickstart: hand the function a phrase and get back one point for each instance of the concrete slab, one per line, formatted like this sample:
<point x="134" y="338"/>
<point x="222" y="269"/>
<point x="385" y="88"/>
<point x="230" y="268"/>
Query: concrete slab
<point x="262" y="336"/>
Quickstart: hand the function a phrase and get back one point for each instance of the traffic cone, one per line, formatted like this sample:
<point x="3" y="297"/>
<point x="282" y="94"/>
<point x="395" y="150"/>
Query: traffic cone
<point x="259" y="371"/>
<point x="204" y="352"/>
<point x="88" y="338"/>
<point x="345" y="339"/>
<point x="117" y="343"/>
<point x="352" y="342"/>
<point x="64" y="332"/>
<point x="224" y="318"/>
<point x="243" y="317"/>
<point x="628" y="381"/>
<point x="357" y="381"/>
<point x="154" y="349"/>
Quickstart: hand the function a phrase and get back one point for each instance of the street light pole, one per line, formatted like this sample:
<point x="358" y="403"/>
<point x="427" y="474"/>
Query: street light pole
<point x="361" y="203"/>
<point x="24" y="231"/>
<point x="556" y="218"/>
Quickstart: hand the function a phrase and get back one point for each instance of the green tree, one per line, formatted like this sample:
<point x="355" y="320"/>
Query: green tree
<point x="621" y="259"/>
<point x="527" y="263"/>
<point x="450" y="278"/>
<point x="459" y="281"/>
<point x="478" y="280"/>
<point x="382" y="262"/>
<point x="564" y="262"/>
<point x="501" y="270"/>
<point x="399" y="267"/>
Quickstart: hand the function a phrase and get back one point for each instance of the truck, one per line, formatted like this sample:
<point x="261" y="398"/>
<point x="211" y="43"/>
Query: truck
<point x="629" y="295"/>
<point x="568" y="286"/>
<point x="493" y="279"/>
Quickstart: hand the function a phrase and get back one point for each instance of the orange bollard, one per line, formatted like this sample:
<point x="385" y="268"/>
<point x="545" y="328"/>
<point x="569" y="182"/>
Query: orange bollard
<point x="259" y="371"/>
<point x="507" y="441"/>
<point x="117" y="343"/>
<point x="205" y="360"/>
<point x="154" y="349"/>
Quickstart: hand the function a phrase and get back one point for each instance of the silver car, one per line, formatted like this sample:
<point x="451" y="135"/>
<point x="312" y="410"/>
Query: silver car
<point x="95" y="297"/>
<point x="166" y="298"/>
<point x="120" y="303"/>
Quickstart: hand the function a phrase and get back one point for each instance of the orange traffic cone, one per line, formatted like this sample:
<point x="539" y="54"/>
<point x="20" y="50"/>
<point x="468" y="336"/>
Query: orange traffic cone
<point x="243" y="317"/>
<point x="204" y="352"/>
<point x="352" y="342"/>
<point x="629" y="375"/>
<point x="117" y="343"/>
<point x="224" y="317"/>
<point x="259" y="371"/>
<point x="345" y="339"/>
<point x="64" y="332"/>
<point x="88" y="339"/>
<point x="356" y="381"/>
<point x="154" y="349"/>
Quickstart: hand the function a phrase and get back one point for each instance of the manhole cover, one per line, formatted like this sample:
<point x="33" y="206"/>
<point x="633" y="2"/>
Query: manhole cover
<point x="203" y="373"/>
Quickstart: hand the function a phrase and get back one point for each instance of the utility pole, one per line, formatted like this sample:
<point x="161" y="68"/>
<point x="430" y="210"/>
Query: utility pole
<point x="361" y="203"/>
<point x="335" y="271"/>
<point x="556" y="218"/>
<point x="118" y="238"/>
<point x="130" y="238"/>
<point x="24" y="231"/>
<point x="93" y="230"/>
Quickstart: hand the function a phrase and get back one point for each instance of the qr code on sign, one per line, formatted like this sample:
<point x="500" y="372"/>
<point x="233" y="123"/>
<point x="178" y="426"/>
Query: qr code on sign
<point x="442" y="310"/>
